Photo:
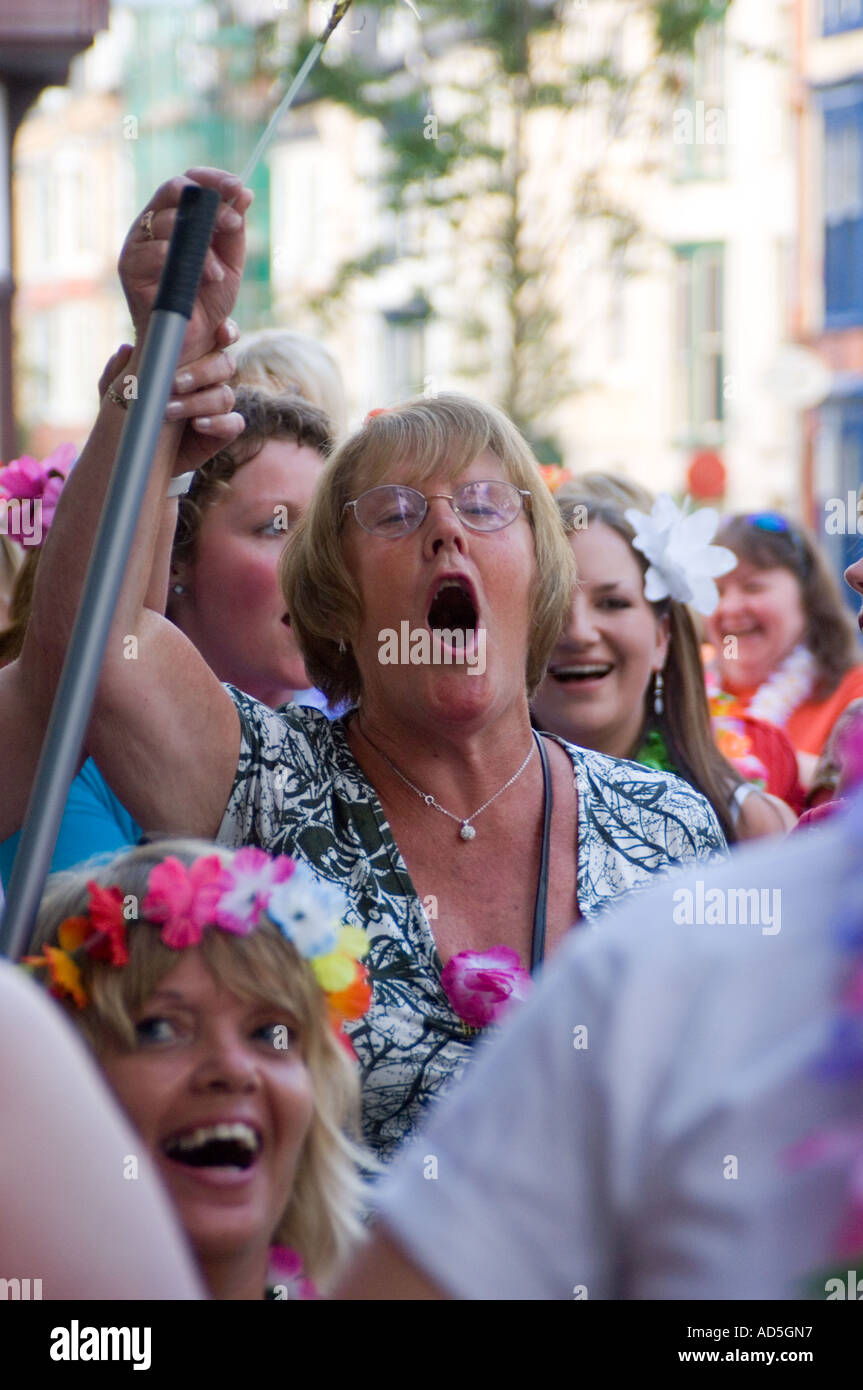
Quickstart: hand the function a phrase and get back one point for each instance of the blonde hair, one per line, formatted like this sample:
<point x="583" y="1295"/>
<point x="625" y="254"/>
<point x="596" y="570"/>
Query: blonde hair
<point x="321" y="1220"/>
<point x="443" y="434"/>
<point x="282" y="361"/>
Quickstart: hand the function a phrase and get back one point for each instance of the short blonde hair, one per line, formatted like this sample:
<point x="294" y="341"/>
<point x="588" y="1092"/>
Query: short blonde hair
<point x="321" y="1220"/>
<point x="441" y="434"/>
<point x="282" y="361"/>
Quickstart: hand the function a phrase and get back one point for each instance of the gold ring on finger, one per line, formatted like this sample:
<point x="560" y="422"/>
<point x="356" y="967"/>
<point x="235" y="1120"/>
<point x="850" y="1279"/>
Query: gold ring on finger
<point x="146" y="224"/>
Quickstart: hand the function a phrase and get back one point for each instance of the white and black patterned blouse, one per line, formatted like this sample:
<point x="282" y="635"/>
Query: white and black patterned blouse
<point x="300" y="791"/>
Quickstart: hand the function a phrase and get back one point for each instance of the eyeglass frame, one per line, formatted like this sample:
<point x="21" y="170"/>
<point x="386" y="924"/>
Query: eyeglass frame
<point x="523" y="493"/>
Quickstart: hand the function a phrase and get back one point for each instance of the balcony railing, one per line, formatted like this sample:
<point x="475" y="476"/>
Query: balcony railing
<point x="39" y="38"/>
<point x="63" y="20"/>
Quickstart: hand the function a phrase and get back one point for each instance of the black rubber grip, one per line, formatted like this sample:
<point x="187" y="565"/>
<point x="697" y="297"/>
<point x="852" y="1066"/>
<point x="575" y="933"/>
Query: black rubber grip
<point x="192" y="231"/>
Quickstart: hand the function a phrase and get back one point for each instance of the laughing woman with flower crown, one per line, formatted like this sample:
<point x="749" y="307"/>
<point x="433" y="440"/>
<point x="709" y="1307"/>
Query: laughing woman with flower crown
<point x="212" y="988"/>
<point x="467" y="844"/>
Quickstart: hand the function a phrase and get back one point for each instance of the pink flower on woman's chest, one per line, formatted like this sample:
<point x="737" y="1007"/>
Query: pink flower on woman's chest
<point x="481" y="985"/>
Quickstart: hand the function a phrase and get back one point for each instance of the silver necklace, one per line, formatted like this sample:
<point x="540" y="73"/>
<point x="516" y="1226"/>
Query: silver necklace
<point x="466" y="830"/>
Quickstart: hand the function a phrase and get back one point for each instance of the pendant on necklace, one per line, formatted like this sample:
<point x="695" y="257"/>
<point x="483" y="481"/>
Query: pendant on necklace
<point x="467" y="832"/>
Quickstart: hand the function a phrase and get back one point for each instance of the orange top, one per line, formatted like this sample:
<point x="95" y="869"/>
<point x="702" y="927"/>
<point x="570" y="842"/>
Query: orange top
<point x="809" y="726"/>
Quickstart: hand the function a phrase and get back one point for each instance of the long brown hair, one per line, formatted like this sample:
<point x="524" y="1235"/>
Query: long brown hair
<point x="685" y="721"/>
<point x="781" y="544"/>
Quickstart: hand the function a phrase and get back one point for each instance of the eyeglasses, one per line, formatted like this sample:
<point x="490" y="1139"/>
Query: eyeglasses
<point x="393" y="510"/>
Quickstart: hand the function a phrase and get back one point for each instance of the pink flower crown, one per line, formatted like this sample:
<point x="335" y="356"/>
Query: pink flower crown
<point x="191" y="899"/>
<point x="40" y="484"/>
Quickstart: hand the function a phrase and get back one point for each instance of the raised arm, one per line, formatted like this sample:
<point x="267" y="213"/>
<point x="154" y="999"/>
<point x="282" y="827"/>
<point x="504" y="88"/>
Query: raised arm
<point x="163" y="731"/>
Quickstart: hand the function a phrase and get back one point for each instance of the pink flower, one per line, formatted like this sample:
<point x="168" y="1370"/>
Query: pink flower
<point x="837" y="1147"/>
<point x="25" y="479"/>
<point x="286" y="1269"/>
<point x="249" y="882"/>
<point x="186" y="900"/>
<point x="480" y="987"/>
<point x="22" y="478"/>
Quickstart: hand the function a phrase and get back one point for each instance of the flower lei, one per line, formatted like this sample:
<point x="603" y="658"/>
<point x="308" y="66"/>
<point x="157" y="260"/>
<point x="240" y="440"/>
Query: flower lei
<point x="653" y="752"/>
<point x="25" y="479"/>
<point x="683" y="563"/>
<point x="842" y="1058"/>
<point x="787" y="687"/>
<point x="732" y="740"/>
<point x="191" y="899"/>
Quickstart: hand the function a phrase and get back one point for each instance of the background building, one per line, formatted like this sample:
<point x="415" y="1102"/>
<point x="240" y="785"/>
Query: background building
<point x="662" y="210"/>
<point x="38" y="40"/>
<point x="832" y="223"/>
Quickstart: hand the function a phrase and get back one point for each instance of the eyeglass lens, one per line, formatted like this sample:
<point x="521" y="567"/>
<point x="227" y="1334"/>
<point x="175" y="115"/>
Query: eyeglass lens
<point x="393" y="509"/>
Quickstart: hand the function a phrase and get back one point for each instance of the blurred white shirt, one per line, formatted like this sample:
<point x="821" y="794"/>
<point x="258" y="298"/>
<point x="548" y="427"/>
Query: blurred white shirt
<point x="648" y="1163"/>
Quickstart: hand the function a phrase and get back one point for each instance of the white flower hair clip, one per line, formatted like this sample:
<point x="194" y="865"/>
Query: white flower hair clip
<point x="683" y="563"/>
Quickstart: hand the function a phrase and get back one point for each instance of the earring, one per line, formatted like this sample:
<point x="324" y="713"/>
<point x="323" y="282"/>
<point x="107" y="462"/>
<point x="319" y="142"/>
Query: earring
<point x="342" y="647"/>
<point x="178" y="588"/>
<point x="658" y="687"/>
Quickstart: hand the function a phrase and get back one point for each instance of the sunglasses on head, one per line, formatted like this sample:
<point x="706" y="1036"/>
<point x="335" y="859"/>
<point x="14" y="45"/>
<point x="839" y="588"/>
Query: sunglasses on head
<point x="774" y="523"/>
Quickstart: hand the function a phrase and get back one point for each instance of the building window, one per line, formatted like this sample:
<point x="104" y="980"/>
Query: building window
<point x="699" y="343"/>
<point x="839" y="15"/>
<point x="405" y="350"/>
<point x="701" y="124"/>
<point x="839" y="471"/>
<point x="843" y="216"/>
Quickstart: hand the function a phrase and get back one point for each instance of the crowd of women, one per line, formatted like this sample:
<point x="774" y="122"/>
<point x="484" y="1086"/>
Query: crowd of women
<point x="326" y="882"/>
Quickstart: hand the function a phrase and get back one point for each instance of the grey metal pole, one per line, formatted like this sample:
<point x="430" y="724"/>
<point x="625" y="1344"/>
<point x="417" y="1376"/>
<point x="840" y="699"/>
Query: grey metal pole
<point x="70" y="712"/>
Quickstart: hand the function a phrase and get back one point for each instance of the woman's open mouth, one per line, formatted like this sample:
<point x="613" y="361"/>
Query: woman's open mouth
<point x="452" y="608"/>
<point x="580" y="674"/>
<point x="223" y="1153"/>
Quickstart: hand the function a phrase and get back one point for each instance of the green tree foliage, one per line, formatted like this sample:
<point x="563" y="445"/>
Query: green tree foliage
<point x="448" y="167"/>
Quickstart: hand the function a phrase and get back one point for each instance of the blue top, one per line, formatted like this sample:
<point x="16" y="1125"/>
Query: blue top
<point x="94" y="821"/>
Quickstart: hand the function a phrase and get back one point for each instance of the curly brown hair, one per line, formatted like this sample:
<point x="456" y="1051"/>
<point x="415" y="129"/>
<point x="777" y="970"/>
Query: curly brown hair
<point x="267" y="417"/>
